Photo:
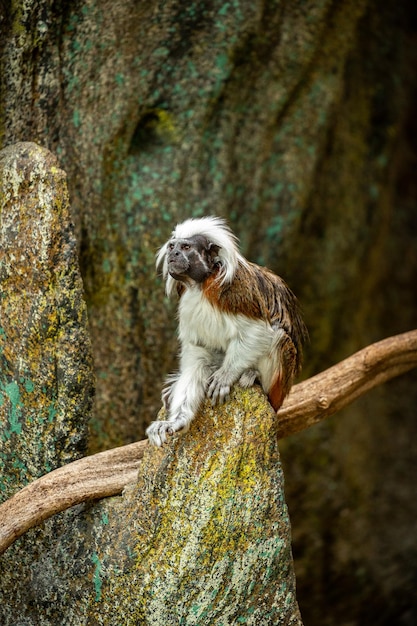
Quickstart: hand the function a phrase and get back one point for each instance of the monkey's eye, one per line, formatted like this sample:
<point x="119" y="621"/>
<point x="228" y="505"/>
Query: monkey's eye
<point x="185" y="246"/>
<point x="170" y="246"/>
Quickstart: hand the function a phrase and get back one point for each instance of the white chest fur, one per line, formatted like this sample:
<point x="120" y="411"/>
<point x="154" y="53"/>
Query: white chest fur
<point x="203" y="324"/>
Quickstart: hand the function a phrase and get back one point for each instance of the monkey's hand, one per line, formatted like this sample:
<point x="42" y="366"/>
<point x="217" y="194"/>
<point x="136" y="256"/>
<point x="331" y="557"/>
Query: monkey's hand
<point x="219" y="386"/>
<point x="161" y="431"/>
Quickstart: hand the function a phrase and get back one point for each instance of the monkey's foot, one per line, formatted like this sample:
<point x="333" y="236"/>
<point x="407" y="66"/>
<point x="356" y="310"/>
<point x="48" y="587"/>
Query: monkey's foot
<point x="248" y="378"/>
<point x="160" y="431"/>
<point x="218" y="389"/>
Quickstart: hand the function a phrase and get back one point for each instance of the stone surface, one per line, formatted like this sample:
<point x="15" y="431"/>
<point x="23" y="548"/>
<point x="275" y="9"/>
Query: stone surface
<point x="46" y="372"/>
<point x="204" y="538"/>
<point x="45" y="356"/>
<point x="158" y="112"/>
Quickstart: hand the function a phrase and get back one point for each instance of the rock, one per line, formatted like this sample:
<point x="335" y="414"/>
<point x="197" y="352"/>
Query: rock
<point x="46" y="379"/>
<point x="204" y="536"/>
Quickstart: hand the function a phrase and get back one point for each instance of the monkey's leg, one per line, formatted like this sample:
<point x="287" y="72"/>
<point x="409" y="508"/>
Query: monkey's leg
<point x="168" y="390"/>
<point x="185" y="395"/>
<point x="242" y="357"/>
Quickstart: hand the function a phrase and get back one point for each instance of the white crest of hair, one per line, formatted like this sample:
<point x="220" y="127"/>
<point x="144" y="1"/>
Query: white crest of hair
<point x="217" y="231"/>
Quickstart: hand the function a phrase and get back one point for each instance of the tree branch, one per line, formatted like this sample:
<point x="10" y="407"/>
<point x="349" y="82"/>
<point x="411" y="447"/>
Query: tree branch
<point x="106" y="473"/>
<point x="91" y="478"/>
<point x="330" y="391"/>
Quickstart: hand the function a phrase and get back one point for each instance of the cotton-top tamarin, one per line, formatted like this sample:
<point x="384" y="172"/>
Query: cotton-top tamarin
<point x="238" y="323"/>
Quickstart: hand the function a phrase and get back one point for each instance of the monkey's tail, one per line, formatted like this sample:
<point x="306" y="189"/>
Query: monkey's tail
<point x="286" y="361"/>
<point x="276" y="394"/>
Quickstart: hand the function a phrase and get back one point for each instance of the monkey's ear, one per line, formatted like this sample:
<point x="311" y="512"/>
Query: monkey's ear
<point x="213" y="249"/>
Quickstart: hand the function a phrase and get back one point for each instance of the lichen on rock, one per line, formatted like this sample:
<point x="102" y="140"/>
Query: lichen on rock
<point x="46" y="379"/>
<point x="204" y="536"/>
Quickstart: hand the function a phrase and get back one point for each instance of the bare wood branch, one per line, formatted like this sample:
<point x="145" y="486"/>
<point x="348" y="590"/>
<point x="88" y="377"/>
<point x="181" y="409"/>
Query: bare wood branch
<point x="107" y="473"/>
<point x="93" y="477"/>
<point x="330" y="391"/>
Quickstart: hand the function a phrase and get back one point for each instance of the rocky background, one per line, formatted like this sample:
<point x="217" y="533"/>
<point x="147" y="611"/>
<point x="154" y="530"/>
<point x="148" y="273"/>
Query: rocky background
<point x="296" y="121"/>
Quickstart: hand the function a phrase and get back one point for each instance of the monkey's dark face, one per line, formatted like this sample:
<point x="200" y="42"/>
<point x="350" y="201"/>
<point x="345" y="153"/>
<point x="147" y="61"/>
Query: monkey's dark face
<point x="192" y="258"/>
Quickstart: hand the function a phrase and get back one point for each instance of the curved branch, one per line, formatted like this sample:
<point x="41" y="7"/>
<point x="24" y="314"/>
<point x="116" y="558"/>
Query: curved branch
<point x="330" y="391"/>
<point x="107" y="473"/>
<point x="93" y="477"/>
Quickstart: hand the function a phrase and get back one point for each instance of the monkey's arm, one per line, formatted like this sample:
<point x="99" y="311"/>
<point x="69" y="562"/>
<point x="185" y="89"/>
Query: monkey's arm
<point x="185" y="394"/>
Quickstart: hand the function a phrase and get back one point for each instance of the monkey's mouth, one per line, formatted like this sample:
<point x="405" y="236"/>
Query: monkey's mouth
<point x="178" y="268"/>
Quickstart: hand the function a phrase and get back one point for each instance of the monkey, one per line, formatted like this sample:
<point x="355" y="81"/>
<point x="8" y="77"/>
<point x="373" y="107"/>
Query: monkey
<point x="239" y="323"/>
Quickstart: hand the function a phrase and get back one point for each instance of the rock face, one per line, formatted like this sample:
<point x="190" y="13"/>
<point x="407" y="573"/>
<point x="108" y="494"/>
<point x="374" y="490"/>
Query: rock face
<point x="46" y="377"/>
<point x="161" y="112"/>
<point x="46" y="367"/>
<point x="202" y="539"/>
